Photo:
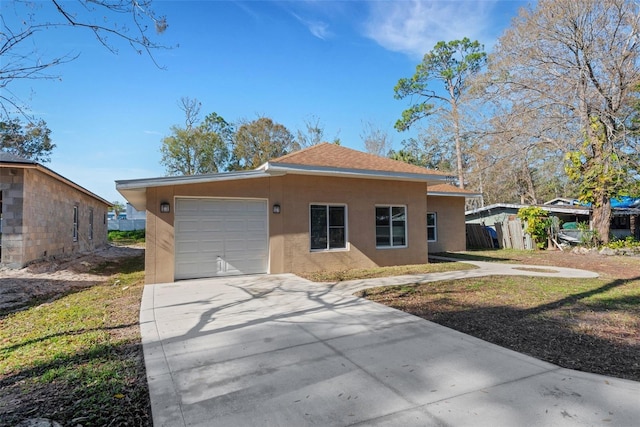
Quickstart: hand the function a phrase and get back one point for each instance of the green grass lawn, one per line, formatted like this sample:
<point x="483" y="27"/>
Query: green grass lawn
<point x="591" y="325"/>
<point x="78" y="359"/>
<point x="368" y="273"/>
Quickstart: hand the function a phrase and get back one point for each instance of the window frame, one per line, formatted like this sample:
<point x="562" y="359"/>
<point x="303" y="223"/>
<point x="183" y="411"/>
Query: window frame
<point x="328" y="248"/>
<point x="90" y="223"/>
<point x="76" y="218"/>
<point x="434" y="226"/>
<point x="406" y="226"/>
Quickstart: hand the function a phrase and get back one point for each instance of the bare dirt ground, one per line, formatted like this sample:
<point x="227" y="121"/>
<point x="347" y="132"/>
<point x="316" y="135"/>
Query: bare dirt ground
<point x="49" y="279"/>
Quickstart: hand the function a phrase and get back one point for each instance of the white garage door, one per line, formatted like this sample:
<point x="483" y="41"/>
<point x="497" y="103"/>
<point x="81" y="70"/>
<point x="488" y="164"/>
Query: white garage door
<point x="215" y="237"/>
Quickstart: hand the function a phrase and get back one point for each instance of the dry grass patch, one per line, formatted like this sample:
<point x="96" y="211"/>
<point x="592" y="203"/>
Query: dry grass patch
<point x="77" y="359"/>
<point x="590" y="325"/>
<point x="400" y="270"/>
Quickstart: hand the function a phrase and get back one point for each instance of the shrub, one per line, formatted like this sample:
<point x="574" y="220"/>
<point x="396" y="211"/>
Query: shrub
<point x="627" y="243"/>
<point x="135" y="236"/>
<point x="537" y="224"/>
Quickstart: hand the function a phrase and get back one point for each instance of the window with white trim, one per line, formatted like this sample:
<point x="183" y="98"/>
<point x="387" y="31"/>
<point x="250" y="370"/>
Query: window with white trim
<point x="432" y="230"/>
<point x="391" y="226"/>
<point x="328" y="227"/>
<point x="75" y="223"/>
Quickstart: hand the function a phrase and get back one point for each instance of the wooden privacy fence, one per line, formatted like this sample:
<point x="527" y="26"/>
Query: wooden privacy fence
<point x="478" y="237"/>
<point x="510" y="236"/>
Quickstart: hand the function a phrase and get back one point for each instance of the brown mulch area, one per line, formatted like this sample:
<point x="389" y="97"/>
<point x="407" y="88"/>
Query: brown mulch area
<point x="590" y="325"/>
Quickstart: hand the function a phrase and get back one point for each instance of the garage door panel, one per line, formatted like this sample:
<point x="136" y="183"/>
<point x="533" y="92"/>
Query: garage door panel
<point x="239" y="205"/>
<point x="257" y="208"/>
<point x="187" y="205"/>
<point x="220" y="236"/>
<point x="256" y="225"/>
<point x="236" y="226"/>
<point x="187" y="226"/>
<point x="211" y="207"/>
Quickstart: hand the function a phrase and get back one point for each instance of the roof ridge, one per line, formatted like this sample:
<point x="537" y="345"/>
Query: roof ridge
<point x="338" y="156"/>
<point x="303" y="150"/>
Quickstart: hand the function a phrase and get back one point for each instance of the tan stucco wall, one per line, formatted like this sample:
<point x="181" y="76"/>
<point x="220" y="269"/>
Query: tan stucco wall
<point x="450" y="223"/>
<point x="361" y="196"/>
<point x="289" y="231"/>
<point x="38" y="218"/>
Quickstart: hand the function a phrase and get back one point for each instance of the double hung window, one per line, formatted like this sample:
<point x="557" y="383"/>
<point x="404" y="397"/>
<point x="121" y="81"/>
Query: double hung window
<point x="328" y="224"/>
<point x="432" y="233"/>
<point x="391" y="226"/>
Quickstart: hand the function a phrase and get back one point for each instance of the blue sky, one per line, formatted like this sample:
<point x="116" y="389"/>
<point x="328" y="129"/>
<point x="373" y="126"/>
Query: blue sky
<point x="291" y="61"/>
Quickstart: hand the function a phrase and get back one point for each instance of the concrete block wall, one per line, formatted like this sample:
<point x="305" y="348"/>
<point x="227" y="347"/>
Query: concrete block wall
<point x="38" y="218"/>
<point x="12" y="188"/>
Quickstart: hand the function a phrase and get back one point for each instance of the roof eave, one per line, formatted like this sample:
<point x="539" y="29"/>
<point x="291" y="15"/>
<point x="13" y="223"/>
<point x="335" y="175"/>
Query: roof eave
<point x="135" y="190"/>
<point x="55" y="175"/>
<point x="454" y="194"/>
<point x="284" y="168"/>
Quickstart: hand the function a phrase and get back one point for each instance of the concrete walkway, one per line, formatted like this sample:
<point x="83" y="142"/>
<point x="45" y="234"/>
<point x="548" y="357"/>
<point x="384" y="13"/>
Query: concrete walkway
<point x="278" y="350"/>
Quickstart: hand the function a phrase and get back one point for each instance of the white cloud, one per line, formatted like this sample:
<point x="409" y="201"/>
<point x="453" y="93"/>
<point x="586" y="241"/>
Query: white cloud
<point x="414" y="27"/>
<point x="319" y="29"/>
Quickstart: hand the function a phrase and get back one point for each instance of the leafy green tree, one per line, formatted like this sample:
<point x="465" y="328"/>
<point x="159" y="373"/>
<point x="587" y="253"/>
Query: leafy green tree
<point x="197" y="148"/>
<point x="572" y="67"/>
<point x="117" y="207"/>
<point x="31" y="141"/>
<point x="423" y="151"/>
<point x="407" y="157"/>
<point x="452" y="64"/>
<point x="258" y="141"/>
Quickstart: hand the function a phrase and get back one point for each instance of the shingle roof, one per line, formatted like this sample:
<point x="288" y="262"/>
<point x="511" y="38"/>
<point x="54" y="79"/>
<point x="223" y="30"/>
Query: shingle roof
<point x="336" y="156"/>
<point x="450" y="190"/>
<point x="12" y="158"/>
<point x="447" y="188"/>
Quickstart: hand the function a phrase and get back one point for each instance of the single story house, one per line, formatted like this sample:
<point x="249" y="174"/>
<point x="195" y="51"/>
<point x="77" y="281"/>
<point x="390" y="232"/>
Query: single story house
<point x="326" y="207"/>
<point x="43" y="214"/>
<point x="625" y="221"/>
<point x="446" y="217"/>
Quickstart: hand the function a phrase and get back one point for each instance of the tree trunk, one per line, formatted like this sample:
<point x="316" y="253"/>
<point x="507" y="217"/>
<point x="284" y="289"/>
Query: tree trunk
<point x="601" y="217"/>
<point x="455" y="118"/>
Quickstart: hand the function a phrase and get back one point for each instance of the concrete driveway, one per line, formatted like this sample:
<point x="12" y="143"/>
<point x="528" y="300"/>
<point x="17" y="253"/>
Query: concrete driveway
<point x="281" y="351"/>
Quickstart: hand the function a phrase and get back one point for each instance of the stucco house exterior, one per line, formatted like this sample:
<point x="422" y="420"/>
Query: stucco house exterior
<point x="446" y="217"/>
<point x="326" y="207"/>
<point x="44" y="215"/>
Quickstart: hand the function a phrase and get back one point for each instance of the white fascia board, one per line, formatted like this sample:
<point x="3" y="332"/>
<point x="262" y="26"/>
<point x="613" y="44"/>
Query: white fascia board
<point x="283" y="168"/>
<point x="188" y="179"/>
<point x="556" y="209"/>
<point x="454" y="194"/>
<point x="135" y="190"/>
<point x="548" y="208"/>
<point x="495" y="206"/>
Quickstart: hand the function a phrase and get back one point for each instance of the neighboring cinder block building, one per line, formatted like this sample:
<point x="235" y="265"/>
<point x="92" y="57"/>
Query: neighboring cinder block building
<point x="45" y="215"/>
<point x="323" y="208"/>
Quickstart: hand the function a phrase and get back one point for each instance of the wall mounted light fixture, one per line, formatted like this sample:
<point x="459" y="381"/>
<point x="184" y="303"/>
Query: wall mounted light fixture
<point x="276" y="208"/>
<point x="165" y="207"/>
